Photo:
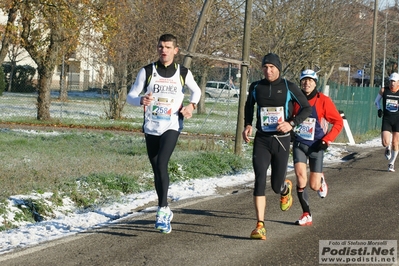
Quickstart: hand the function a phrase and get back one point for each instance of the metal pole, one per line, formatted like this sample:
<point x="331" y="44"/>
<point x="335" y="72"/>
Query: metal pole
<point x="374" y="43"/>
<point x="349" y="74"/>
<point x="363" y="77"/>
<point x="244" y="76"/>
<point x="62" y="82"/>
<point x="385" y="50"/>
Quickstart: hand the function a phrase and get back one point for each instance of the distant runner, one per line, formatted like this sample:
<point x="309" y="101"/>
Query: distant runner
<point x="390" y="119"/>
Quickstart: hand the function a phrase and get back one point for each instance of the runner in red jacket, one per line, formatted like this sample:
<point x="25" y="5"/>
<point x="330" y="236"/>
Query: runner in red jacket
<point x="312" y="138"/>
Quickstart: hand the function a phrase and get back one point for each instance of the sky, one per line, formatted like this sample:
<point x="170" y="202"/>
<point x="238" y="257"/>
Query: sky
<point x="75" y="221"/>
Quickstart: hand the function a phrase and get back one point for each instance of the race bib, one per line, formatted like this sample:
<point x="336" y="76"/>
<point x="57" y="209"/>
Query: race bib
<point x="271" y="116"/>
<point x="161" y="109"/>
<point x="306" y="129"/>
<point x="392" y="105"/>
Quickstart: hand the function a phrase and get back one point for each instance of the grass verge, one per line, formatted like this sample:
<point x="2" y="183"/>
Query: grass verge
<point x="95" y="168"/>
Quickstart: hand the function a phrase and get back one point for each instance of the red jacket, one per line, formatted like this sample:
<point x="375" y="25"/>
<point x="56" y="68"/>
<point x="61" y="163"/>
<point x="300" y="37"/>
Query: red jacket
<point x="327" y="114"/>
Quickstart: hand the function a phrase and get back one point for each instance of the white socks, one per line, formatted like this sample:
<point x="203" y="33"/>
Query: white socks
<point x="394" y="154"/>
<point x="165" y="209"/>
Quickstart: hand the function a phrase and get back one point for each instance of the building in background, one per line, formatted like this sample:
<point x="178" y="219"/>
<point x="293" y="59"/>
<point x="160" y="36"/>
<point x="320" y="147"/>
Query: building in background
<point x="83" y="70"/>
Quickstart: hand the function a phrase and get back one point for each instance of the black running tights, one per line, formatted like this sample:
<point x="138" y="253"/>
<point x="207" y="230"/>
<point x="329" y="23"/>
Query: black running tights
<point x="159" y="150"/>
<point x="270" y="151"/>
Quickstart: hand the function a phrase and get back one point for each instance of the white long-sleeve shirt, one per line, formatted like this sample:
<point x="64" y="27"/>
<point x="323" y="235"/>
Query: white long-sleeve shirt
<point x="163" y="113"/>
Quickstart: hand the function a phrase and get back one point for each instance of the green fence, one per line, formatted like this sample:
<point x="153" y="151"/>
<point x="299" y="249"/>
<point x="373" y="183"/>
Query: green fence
<point x="357" y="104"/>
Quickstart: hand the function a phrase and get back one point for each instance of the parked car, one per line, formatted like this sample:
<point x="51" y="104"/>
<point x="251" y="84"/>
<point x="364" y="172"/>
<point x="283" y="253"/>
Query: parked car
<point x="220" y="89"/>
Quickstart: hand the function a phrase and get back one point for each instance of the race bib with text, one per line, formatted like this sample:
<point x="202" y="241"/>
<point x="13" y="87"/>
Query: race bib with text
<point x="271" y="116"/>
<point x="306" y="129"/>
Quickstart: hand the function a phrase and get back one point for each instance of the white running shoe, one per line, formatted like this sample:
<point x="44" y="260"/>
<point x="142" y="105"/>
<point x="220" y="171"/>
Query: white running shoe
<point x="324" y="188"/>
<point x="162" y="220"/>
<point x="306" y="219"/>
<point x="388" y="153"/>
<point x="391" y="168"/>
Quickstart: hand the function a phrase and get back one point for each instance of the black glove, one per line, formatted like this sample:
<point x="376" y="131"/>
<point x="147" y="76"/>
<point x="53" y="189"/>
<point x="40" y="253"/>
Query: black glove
<point x="322" y="145"/>
<point x="379" y="113"/>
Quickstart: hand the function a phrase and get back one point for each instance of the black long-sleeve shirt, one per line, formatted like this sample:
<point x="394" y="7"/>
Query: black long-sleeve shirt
<point x="280" y="92"/>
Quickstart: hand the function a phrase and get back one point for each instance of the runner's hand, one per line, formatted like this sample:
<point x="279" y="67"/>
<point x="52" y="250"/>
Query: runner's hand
<point x="187" y="111"/>
<point x="147" y="99"/>
<point x="322" y="145"/>
<point x="246" y="133"/>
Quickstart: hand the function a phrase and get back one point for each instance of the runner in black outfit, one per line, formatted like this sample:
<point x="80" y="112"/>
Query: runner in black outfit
<point x="274" y="98"/>
<point x="389" y="111"/>
<point x="163" y="117"/>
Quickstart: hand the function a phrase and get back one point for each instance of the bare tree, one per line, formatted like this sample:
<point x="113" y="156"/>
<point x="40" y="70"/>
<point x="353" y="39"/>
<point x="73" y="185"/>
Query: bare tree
<point x="311" y="34"/>
<point x="11" y="9"/>
<point x="391" y="39"/>
<point x="48" y="28"/>
<point x="319" y="34"/>
<point x="221" y="38"/>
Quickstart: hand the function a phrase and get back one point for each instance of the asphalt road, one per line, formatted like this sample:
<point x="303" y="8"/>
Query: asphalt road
<point x="362" y="204"/>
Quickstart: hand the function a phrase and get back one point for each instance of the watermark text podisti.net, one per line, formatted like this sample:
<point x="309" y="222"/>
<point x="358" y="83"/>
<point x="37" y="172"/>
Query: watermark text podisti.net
<point x="358" y="251"/>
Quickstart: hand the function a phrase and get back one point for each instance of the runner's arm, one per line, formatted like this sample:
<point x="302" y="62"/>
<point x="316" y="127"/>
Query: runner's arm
<point x="333" y="117"/>
<point x="305" y="109"/>
<point x="377" y="101"/>
<point x="193" y="87"/>
<point x="133" y="97"/>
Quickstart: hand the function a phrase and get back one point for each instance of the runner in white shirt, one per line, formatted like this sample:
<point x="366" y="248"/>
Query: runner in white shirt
<point x="164" y="112"/>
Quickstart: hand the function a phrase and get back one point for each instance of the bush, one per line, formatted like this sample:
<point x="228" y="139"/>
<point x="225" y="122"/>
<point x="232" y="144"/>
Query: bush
<point x="22" y="76"/>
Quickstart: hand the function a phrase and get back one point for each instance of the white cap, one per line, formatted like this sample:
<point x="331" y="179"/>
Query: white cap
<point x="394" y="76"/>
<point x="308" y="73"/>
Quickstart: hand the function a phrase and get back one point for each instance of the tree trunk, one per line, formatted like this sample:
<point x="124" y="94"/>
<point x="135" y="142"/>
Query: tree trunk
<point x="117" y="100"/>
<point x="118" y="92"/>
<point x="113" y="102"/>
<point x="63" y="88"/>
<point x="43" y="98"/>
<point x="13" y="63"/>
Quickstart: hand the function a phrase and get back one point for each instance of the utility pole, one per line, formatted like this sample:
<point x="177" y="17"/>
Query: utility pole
<point x="385" y="48"/>
<point x="374" y="43"/>
<point x="244" y="76"/>
<point x="244" y="63"/>
<point x="196" y="35"/>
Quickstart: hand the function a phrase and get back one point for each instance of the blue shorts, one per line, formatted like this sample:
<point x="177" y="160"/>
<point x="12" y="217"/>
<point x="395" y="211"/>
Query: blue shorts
<point x="302" y="152"/>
